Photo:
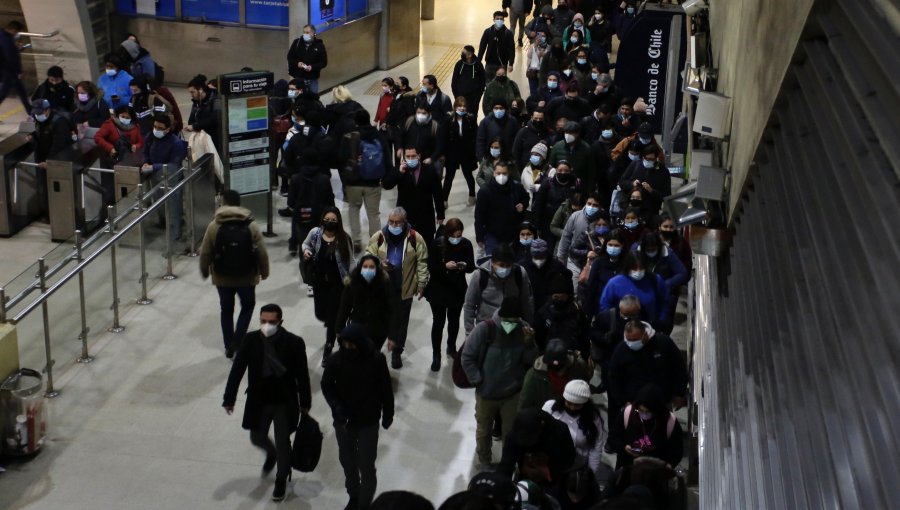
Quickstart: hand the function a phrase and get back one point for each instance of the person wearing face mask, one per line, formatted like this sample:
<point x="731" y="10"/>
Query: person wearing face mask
<point x="499" y="208"/>
<point x="635" y="280"/>
<point x="550" y="374"/>
<point x="576" y="28"/>
<point x="646" y="427"/>
<point x="521" y="248"/>
<point x="496" y="151"/>
<point x="605" y="92"/>
<point x="388" y="91"/>
<point x="548" y="90"/>
<point x="578" y="222"/>
<point x="607" y="331"/>
<point x="651" y="175"/>
<point x="659" y="259"/>
<point x="205" y="114"/>
<point x="367" y="300"/>
<point x="114" y="82"/>
<point x="469" y="78"/>
<point x="357" y="386"/>
<point x="418" y="192"/>
<point x="601" y="31"/>
<point x="146" y="105"/>
<point x="11" y="64"/>
<point x="570" y="105"/>
<point x="309" y="195"/>
<point x="587" y="247"/>
<point x="543" y="269"/>
<point x="619" y="164"/>
<point x="425" y="134"/>
<point x="495" y="280"/>
<point x="637" y="199"/>
<point x="328" y="254"/>
<point x="560" y="317"/>
<point x="497" y="48"/>
<point x="625" y="18"/>
<point x="450" y="258"/>
<point x="581" y="72"/>
<point x="56" y="90"/>
<point x="234" y="279"/>
<point x="676" y="242"/>
<point x="307" y="57"/>
<point x="632" y="227"/>
<point x="643" y="138"/>
<point x="577" y="152"/>
<point x="495" y="357"/>
<point x="539" y="47"/>
<point x="607" y="264"/>
<point x="563" y="16"/>
<point x="558" y="186"/>
<point x="575" y="408"/>
<point x="461" y="133"/>
<point x="90" y="109"/>
<point x="404" y="256"/>
<point x="53" y="132"/>
<point x="118" y="136"/>
<point x="595" y="123"/>
<point x="278" y="391"/>
<point x="501" y="88"/>
<point x="517" y="10"/>
<point x="163" y="149"/>
<point x="534" y="173"/>
<point x="432" y="95"/>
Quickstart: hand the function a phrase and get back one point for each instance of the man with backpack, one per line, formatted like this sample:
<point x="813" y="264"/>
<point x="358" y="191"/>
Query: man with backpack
<point x="366" y="157"/>
<point x="495" y="280"/>
<point x="234" y="254"/>
<point x="425" y="134"/>
<point x="419" y="192"/>
<point x="309" y="194"/>
<point x="496" y="356"/>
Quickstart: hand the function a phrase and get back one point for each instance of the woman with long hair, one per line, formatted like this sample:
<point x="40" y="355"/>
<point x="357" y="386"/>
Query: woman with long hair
<point x="580" y="414"/>
<point x="328" y="257"/>
<point x="368" y="300"/>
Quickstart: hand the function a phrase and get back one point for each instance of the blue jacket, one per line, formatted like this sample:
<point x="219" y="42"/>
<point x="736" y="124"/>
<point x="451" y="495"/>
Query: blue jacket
<point x="9" y="53"/>
<point x="144" y="66"/>
<point x="651" y="291"/>
<point x="668" y="266"/>
<point x="166" y="150"/>
<point x="116" y="85"/>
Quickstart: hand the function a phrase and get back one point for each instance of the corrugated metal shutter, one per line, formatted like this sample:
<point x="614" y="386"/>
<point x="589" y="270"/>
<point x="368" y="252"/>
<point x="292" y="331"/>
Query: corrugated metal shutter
<point x="801" y="360"/>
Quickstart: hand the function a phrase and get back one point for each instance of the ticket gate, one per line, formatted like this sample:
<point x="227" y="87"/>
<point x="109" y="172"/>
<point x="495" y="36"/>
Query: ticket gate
<point x="20" y="190"/>
<point x="75" y="191"/>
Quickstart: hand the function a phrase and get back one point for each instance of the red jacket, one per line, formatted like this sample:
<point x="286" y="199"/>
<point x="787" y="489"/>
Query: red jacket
<point x="109" y="133"/>
<point x="384" y="105"/>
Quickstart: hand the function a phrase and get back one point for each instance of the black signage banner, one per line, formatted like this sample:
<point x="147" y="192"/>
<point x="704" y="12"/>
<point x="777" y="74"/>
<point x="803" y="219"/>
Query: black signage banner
<point x="643" y="61"/>
<point x="255" y="82"/>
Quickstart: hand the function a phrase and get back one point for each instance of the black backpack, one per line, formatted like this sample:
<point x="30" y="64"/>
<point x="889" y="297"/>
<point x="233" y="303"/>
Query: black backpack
<point x="234" y="254"/>
<point x="307" y="445"/>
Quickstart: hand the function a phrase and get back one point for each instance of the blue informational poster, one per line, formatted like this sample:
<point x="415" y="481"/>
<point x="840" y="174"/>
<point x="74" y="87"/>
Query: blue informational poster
<point x="270" y="13"/>
<point x="324" y="11"/>
<point x="226" y="11"/>
<point x="161" y="8"/>
<point x="357" y="8"/>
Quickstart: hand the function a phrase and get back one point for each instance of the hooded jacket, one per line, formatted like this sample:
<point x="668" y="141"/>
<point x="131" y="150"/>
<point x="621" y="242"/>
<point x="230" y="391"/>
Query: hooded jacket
<point x="414" y="269"/>
<point x="480" y="306"/>
<point x="496" y="361"/>
<point x="491" y="127"/>
<point x="223" y="215"/>
<point x="537" y="389"/>
<point x="367" y="303"/>
<point x="468" y="79"/>
<point x="118" y="84"/>
<point x="61" y="96"/>
<point x="540" y="277"/>
<point x="525" y="140"/>
<point x="497" y="46"/>
<point x="658" y="362"/>
<point x="356" y="383"/>
<point x="495" y="210"/>
<point x="577" y="223"/>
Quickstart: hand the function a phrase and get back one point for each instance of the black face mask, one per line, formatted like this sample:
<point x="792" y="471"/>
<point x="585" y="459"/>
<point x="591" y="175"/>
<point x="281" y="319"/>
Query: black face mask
<point x="538" y="124"/>
<point x="636" y="203"/>
<point x="563" y="178"/>
<point x="501" y="79"/>
<point x="329" y="226"/>
<point x="516" y="112"/>
<point x="668" y="234"/>
<point x="560" y="304"/>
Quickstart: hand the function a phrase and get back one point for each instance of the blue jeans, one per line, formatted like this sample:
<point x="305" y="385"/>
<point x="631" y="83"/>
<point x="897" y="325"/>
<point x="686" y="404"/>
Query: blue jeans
<point x="232" y="333"/>
<point x="313" y="85"/>
<point x="490" y="242"/>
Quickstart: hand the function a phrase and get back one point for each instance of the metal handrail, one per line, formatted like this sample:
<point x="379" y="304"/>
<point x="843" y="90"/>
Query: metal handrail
<point x="121" y="232"/>
<point x="40" y="35"/>
<point x="54" y="269"/>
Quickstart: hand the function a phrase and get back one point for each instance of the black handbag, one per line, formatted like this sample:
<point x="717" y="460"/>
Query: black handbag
<point x="307" y="445"/>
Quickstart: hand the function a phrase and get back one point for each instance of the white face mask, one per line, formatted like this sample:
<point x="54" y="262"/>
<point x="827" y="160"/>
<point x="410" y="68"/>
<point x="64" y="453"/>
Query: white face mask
<point x="268" y="329"/>
<point x="159" y="133"/>
<point x="539" y="263"/>
<point x="501" y="179"/>
<point x="569" y="138"/>
<point x="421" y="118"/>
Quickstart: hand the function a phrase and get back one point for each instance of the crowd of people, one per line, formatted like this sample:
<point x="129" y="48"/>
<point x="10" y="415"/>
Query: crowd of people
<point x="568" y="291"/>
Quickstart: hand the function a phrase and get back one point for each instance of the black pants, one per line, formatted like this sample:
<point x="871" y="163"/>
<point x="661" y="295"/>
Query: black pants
<point x="299" y="231"/>
<point x="327" y="299"/>
<point x="357" y="451"/>
<point x="12" y="83"/>
<point x="439" y="314"/>
<point x="450" y="170"/>
<point x="401" y="325"/>
<point x="281" y="449"/>
<point x="233" y="333"/>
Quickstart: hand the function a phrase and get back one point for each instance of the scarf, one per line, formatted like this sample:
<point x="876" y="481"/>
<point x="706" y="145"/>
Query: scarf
<point x="271" y="366"/>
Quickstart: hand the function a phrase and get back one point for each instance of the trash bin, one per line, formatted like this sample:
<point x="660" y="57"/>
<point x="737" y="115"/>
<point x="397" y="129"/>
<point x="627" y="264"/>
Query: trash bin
<point x="23" y="418"/>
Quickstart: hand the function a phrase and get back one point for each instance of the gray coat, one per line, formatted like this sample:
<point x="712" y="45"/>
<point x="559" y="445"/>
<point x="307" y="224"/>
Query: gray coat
<point x="480" y="306"/>
<point x="576" y="224"/>
<point x="496" y="362"/>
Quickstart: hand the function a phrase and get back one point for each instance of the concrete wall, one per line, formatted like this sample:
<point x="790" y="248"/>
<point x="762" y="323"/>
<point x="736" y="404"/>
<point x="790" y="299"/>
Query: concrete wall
<point x="752" y="43"/>
<point x="73" y="49"/>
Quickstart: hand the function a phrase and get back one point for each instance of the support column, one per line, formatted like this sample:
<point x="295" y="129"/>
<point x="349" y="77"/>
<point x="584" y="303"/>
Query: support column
<point x="73" y="49"/>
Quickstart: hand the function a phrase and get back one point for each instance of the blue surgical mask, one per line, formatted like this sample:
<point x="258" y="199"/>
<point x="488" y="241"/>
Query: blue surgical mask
<point x="424" y="89"/>
<point x="578" y="26"/>
<point x="607" y="133"/>
<point x="461" y="113"/>
<point x="307" y="37"/>
<point x="502" y="272"/>
<point x="125" y="121"/>
<point x="645" y="141"/>
<point x="159" y="133"/>
<point x="594" y="76"/>
<point x="635" y="345"/>
<point x="412" y="163"/>
<point x="498" y="23"/>
<point x="581" y="61"/>
<point x="293" y="93"/>
<point x="454" y="240"/>
<point x="614" y="251"/>
<point x="601" y="231"/>
<point x="499" y="114"/>
<point x="637" y="274"/>
<point x="653" y="254"/>
<point x="649" y="164"/>
<point x="395" y="230"/>
<point x="535" y="160"/>
<point x="631" y="225"/>
<point x="367" y="273"/>
<point x="590" y="210"/>
<point x="111" y="72"/>
<point x="630" y="10"/>
<point x="634" y="157"/>
<point x="40" y="118"/>
<point x="552" y="84"/>
<point x="495" y="153"/>
<point x="526" y="242"/>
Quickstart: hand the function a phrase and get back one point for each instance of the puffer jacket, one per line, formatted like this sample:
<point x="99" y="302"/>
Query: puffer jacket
<point x="223" y="215"/>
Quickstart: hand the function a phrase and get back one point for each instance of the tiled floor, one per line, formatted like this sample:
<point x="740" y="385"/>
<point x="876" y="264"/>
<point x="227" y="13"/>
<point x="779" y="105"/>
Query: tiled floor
<point x="142" y="426"/>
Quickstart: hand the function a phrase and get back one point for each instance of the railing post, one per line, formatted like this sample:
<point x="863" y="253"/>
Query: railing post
<point x="188" y="172"/>
<point x="170" y="275"/>
<point x="143" y="300"/>
<point x="116" y="327"/>
<point x="45" y="312"/>
<point x="2" y="305"/>
<point x="85" y="357"/>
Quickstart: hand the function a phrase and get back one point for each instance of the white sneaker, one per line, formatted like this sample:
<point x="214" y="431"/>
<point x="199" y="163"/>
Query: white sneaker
<point x="309" y="291"/>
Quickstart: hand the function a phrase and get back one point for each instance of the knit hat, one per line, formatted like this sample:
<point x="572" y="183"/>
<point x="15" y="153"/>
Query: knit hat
<point x="511" y="308"/>
<point x="354" y="333"/>
<point x="540" y="148"/>
<point x="133" y="48"/>
<point x="539" y="249"/>
<point x="560" y="284"/>
<point x="577" y="392"/>
<point x="556" y="354"/>
<point x="578" y="17"/>
<point x="499" y="101"/>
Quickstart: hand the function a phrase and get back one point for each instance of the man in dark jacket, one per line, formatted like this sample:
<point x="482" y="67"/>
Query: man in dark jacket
<point x="307" y="57"/>
<point x="540" y="446"/>
<point x="11" y="64"/>
<point x="204" y="110"/>
<point x="277" y="390"/>
<point x="439" y="103"/>
<point x="607" y="332"/>
<point x="424" y="133"/>
<point x="53" y="132"/>
<point x="542" y="269"/>
<point x="497" y="47"/>
<point x="569" y="105"/>
<point x="646" y="357"/>
<point x="419" y="192"/>
<point x="577" y="153"/>
<point x="469" y="79"/>
<point x="163" y="148"/>
<point x="552" y="193"/>
<point x="309" y="195"/>
<point x="649" y="174"/>
<point x="56" y="90"/>
<point x="528" y="137"/>
<point x="499" y="207"/>
<point x="357" y="386"/>
<point x="496" y="124"/>
<point x="561" y="318"/>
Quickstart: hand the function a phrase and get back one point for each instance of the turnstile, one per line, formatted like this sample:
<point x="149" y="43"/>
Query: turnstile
<point x="20" y="200"/>
<point x="75" y="192"/>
